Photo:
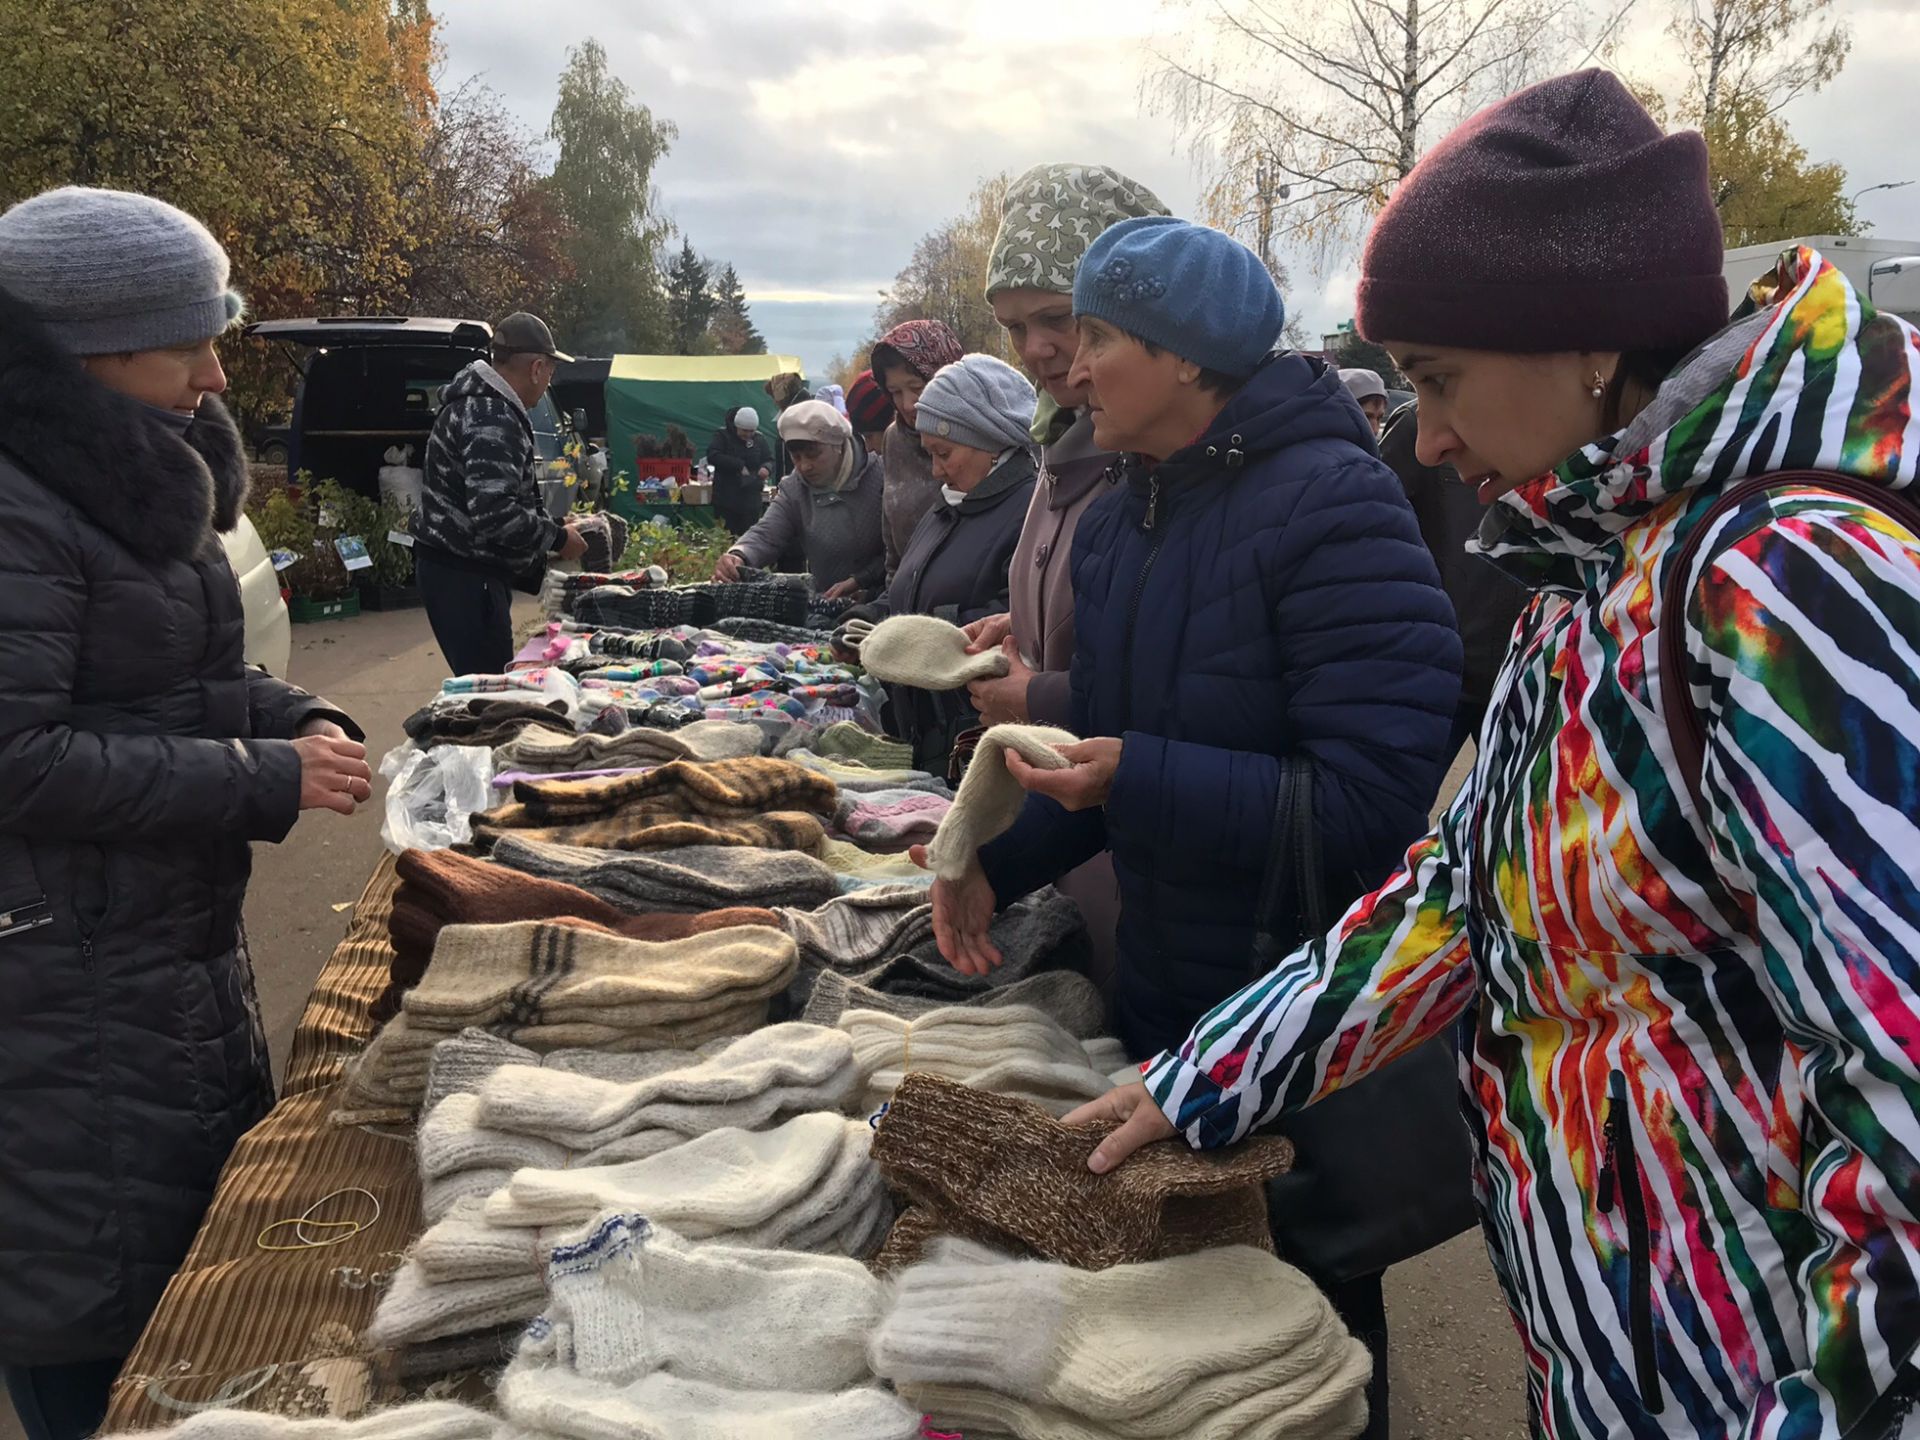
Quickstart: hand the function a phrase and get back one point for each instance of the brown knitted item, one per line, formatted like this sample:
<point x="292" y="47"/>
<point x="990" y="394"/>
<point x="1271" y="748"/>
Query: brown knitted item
<point x="440" y="888"/>
<point x="647" y="826"/>
<point x="733" y="789"/>
<point x="1005" y="1173"/>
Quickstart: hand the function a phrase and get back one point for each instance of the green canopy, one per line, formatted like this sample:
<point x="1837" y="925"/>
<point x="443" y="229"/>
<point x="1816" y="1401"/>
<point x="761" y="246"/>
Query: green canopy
<point x="647" y="393"/>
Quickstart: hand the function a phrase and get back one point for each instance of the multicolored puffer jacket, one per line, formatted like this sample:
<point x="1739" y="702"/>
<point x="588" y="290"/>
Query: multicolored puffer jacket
<point x="1690" y="1042"/>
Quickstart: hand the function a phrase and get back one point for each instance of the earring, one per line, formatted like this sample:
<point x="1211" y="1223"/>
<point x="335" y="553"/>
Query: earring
<point x="1599" y="386"/>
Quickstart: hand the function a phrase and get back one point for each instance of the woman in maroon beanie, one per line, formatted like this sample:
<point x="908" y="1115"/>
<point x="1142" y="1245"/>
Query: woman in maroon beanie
<point x="1675" y="912"/>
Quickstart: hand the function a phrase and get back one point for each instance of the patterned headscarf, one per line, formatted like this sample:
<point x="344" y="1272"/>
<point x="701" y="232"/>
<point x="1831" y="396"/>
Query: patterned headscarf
<point x="1052" y="214"/>
<point x="923" y="346"/>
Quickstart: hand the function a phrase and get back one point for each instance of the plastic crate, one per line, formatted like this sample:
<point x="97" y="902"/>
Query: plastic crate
<point x="304" y="611"/>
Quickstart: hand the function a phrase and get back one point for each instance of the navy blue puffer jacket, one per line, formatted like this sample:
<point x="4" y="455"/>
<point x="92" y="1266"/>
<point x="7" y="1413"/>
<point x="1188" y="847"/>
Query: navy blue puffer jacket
<point x="1264" y="592"/>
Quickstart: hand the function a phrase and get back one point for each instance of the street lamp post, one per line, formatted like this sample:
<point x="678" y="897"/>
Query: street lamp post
<point x="1885" y="185"/>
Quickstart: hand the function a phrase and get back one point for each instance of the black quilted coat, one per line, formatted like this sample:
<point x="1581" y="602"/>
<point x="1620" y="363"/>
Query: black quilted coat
<point x="139" y="756"/>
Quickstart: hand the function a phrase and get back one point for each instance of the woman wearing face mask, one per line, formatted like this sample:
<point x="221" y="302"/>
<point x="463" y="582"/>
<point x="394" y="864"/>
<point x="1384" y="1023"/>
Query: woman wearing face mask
<point x="139" y="756"/>
<point x="1675" y="905"/>
<point x="829" y="505"/>
<point x="974" y="419"/>
<point x="904" y="360"/>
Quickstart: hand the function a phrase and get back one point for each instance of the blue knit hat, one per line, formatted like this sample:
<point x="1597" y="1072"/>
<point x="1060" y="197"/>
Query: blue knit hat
<point x="1197" y="292"/>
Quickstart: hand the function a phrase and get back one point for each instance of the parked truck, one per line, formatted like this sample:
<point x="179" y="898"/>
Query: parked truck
<point x="1887" y="272"/>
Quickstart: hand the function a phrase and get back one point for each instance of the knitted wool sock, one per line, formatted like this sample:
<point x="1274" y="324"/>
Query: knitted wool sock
<point x="780" y="1071"/>
<point x="852" y="778"/>
<point x="889" y="821"/>
<point x="555" y="1402"/>
<point x="428" y="1360"/>
<point x="860" y="867"/>
<point x="649" y="827"/>
<point x="821" y="1215"/>
<point x="466" y="1245"/>
<point x="990" y="799"/>
<point x="453" y="1137"/>
<point x="851" y="742"/>
<point x="462" y="1063"/>
<point x="633" y="1298"/>
<point x="703" y="740"/>
<point x="464" y="716"/>
<point x="417" y="1308"/>
<point x="741" y="787"/>
<point x="726" y="1181"/>
<point x="423" y="1420"/>
<point x="693" y="879"/>
<point x="923" y="652"/>
<point x="1006" y="1173"/>
<point x="1007" y="1050"/>
<point x="532" y="971"/>
<point x="1043" y="931"/>
<point x="1122" y="1346"/>
<point x="860" y="930"/>
<point x="1066" y="995"/>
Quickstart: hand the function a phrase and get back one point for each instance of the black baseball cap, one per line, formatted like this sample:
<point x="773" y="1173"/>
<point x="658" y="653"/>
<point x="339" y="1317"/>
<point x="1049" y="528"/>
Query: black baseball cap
<point x="524" y="334"/>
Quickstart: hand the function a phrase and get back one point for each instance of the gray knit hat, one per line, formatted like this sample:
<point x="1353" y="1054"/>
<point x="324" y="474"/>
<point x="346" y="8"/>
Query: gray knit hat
<point x="1051" y="215"/>
<point x="977" y="401"/>
<point x="108" y="271"/>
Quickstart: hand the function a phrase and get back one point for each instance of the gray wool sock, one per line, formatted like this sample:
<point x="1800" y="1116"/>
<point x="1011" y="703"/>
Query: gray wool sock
<point x="417" y="1308"/>
<point x="1042" y="931"/>
<point x="990" y="799"/>
<point x="854" y="778"/>
<point x="1066" y="995"/>
<point x="422" y="1420"/>
<point x="485" y="1350"/>
<point x="858" y="931"/>
<point x="923" y="652"/>
<point x="633" y="1298"/>
<point x="683" y="881"/>
<point x="781" y="1070"/>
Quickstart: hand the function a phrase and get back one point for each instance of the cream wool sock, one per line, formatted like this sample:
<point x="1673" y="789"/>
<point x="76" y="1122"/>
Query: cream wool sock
<point x="726" y="1181"/>
<point x="453" y="1137"/>
<point x="440" y="1197"/>
<point x="417" y="1308"/>
<point x="1115" y="1345"/>
<point x="466" y="1245"/>
<point x="423" y="1420"/>
<point x="923" y="652"/>
<point x="1011" y="1050"/>
<point x="555" y="1402"/>
<point x="990" y="798"/>
<point x="632" y="1298"/>
<point x="781" y="1070"/>
<point x="852" y="863"/>
<point x="821" y="1212"/>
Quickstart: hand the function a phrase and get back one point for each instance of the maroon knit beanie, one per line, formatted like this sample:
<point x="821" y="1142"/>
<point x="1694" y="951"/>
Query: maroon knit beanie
<point x="1559" y="219"/>
<point x="868" y="406"/>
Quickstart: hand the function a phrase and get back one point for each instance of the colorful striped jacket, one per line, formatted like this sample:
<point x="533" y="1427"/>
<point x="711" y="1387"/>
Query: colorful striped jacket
<point x="1690" y="1042"/>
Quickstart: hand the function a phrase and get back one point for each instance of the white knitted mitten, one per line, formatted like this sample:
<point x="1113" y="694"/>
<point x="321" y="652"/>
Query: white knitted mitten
<point x="990" y="798"/>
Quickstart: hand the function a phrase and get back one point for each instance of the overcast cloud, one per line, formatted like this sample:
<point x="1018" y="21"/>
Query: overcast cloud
<point x="817" y="144"/>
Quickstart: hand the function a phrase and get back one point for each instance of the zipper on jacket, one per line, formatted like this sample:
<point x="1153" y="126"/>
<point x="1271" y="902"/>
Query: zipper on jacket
<point x="1620" y="1179"/>
<point x="1133" y="606"/>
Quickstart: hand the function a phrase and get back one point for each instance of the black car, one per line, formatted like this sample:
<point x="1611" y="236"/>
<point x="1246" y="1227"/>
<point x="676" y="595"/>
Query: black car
<point x="369" y="382"/>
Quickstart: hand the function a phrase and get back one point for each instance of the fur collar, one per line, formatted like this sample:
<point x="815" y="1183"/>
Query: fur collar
<point x="159" y="493"/>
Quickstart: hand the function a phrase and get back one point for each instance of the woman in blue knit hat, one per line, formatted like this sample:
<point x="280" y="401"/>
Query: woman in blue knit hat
<point x="139" y="756"/>
<point x="1260" y="632"/>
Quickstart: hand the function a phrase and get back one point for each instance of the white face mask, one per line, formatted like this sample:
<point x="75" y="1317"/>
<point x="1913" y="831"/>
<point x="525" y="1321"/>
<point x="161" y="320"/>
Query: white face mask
<point x="951" y="495"/>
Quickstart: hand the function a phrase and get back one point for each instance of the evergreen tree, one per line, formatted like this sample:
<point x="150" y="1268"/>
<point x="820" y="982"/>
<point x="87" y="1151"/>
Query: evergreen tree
<point x="691" y="303"/>
<point x="733" y="328"/>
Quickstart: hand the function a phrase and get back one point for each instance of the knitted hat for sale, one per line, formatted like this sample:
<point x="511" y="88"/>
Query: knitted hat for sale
<point x="990" y="798"/>
<point x="978" y="401"/>
<point x="1183" y="287"/>
<point x="868" y="406"/>
<point x="108" y="271"/>
<point x="1052" y="215"/>
<point x="1526" y="230"/>
<point x="922" y="651"/>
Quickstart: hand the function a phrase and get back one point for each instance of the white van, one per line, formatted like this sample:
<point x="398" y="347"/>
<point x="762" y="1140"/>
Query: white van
<point x="269" y="629"/>
<point x="1887" y="272"/>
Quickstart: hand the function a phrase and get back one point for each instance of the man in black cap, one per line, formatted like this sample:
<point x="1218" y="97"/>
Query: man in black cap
<point x="482" y="529"/>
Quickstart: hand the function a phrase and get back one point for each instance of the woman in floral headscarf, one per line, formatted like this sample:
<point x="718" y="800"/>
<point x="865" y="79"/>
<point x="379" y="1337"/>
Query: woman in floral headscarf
<point x="907" y="357"/>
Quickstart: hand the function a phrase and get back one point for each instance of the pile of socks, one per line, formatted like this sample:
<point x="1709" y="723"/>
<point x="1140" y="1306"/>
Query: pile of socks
<point x="480" y="720"/>
<point x="606" y="537"/>
<point x="697" y="878"/>
<point x="439" y="888"/>
<point x="755" y="801"/>
<point x="422" y="1420"/>
<point x="1219" y="1345"/>
<point x="559" y="588"/>
<point x="646" y="1335"/>
<point x="890" y="821"/>
<point x="1009" y="1175"/>
<point x="544" y="751"/>
<point x="853" y="776"/>
<point x="1067" y="997"/>
<point x="1011" y="1050"/>
<point x="860" y="869"/>
<point x="807" y="1185"/>
<point x="554" y="987"/>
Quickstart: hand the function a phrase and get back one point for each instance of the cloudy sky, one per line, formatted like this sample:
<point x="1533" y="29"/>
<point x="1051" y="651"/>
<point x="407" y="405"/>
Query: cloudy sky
<point x="818" y="142"/>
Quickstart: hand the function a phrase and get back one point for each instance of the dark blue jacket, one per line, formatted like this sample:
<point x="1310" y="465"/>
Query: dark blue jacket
<point x="1264" y="592"/>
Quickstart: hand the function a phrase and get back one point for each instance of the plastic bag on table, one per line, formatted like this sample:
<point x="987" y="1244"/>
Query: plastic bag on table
<point x="434" y="793"/>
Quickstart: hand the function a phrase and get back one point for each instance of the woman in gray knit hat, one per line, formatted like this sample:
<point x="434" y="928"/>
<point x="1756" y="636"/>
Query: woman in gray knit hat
<point x="139" y="757"/>
<point x="974" y="419"/>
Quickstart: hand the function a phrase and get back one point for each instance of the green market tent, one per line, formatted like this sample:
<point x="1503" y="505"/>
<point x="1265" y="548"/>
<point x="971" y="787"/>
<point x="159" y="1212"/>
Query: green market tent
<point x="646" y="393"/>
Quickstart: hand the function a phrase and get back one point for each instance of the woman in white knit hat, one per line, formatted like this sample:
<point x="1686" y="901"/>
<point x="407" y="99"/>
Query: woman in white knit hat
<point x="139" y="757"/>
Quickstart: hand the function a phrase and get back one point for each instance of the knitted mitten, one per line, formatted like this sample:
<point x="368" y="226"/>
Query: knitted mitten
<point x="633" y="1298"/>
<point x="990" y="798"/>
<point x="693" y="879"/>
<point x="726" y="1181"/>
<point x="1066" y="995"/>
<point x="1121" y="1346"/>
<point x="922" y="652"/>
<point x="423" y="1420"/>
<point x="776" y="1072"/>
<point x="1004" y="1172"/>
<point x="555" y="1402"/>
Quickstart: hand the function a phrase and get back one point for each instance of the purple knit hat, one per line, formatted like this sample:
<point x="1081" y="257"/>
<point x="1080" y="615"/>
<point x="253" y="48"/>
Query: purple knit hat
<point x="1559" y="219"/>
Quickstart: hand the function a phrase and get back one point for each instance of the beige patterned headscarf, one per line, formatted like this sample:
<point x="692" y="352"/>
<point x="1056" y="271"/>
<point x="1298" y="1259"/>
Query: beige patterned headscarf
<point x="1053" y="214"/>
